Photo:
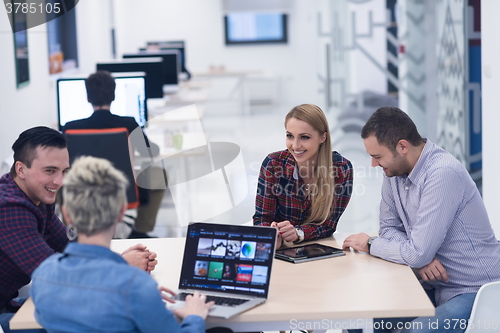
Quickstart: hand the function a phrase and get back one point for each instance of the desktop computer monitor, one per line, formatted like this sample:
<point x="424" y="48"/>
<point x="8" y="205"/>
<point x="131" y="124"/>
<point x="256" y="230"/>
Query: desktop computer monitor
<point x="166" y="42"/>
<point x="130" y="98"/>
<point x="171" y="63"/>
<point x="170" y="45"/>
<point x="153" y="67"/>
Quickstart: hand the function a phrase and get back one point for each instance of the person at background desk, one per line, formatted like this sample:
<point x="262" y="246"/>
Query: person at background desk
<point x="88" y="287"/>
<point x="100" y="88"/>
<point x="303" y="190"/>
<point x="432" y="218"/>
<point x="30" y="231"/>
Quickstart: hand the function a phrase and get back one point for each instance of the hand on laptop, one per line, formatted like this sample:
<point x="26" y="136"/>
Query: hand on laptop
<point x="140" y="257"/>
<point x="195" y="305"/>
<point x="165" y="296"/>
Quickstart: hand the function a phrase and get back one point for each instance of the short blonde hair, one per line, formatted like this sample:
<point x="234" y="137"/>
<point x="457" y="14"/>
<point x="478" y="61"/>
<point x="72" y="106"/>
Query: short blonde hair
<point x="94" y="193"/>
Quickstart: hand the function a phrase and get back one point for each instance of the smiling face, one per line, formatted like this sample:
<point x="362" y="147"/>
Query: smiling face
<point x="393" y="163"/>
<point x="303" y="141"/>
<point x="44" y="178"/>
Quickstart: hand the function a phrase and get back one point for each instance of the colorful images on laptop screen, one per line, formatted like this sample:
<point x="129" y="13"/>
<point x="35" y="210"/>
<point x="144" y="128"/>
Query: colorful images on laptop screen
<point x="237" y="259"/>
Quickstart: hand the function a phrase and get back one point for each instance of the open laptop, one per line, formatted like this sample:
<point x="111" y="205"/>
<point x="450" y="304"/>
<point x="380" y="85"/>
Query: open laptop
<point x="231" y="264"/>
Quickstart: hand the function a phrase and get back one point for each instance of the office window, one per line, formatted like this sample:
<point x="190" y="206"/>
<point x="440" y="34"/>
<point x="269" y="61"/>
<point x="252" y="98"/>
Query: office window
<point x="61" y="35"/>
<point x="19" y="20"/>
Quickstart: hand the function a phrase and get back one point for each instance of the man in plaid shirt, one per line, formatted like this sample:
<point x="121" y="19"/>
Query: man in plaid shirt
<point x="30" y="231"/>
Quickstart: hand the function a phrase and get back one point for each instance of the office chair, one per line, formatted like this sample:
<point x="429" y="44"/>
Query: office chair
<point x="485" y="315"/>
<point x="113" y="145"/>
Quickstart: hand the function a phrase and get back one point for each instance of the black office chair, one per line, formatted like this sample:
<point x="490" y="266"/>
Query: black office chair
<point x="113" y="145"/>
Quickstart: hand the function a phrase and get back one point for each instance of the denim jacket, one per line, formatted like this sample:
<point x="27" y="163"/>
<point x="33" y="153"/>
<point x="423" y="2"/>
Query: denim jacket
<point x="89" y="288"/>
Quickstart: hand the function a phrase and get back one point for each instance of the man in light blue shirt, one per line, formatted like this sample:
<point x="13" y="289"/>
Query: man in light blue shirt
<point x="432" y="218"/>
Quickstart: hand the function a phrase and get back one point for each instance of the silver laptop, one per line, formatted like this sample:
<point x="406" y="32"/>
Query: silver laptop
<point x="231" y="264"/>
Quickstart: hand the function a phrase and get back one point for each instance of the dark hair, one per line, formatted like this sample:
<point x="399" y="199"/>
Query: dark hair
<point x="100" y="88"/>
<point x="390" y="124"/>
<point x="25" y="146"/>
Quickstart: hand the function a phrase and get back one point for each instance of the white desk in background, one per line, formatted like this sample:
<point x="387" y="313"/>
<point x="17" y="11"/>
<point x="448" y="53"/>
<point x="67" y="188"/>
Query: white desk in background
<point x="180" y="136"/>
<point x="187" y="96"/>
<point x="327" y="293"/>
<point x="181" y="112"/>
<point x="243" y="85"/>
<point x="167" y="114"/>
<point x="189" y="92"/>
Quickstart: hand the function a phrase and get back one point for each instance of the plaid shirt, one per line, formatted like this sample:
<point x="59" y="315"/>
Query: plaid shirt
<point x="28" y="235"/>
<point x="280" y="196"/>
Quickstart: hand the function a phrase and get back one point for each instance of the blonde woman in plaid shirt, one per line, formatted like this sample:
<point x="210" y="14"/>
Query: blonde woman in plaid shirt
<point x="303" y="190"/>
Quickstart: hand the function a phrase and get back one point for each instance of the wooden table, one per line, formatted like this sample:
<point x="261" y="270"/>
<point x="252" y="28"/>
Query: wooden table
<point x="325" y="294"/>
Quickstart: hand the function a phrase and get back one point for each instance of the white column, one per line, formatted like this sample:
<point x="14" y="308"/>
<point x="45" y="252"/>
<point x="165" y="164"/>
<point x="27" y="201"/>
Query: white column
<point x="490" y="30"/>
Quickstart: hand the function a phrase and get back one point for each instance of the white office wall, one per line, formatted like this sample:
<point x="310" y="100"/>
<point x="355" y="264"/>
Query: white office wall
<point x="28" y="106"/>
<point x="200" y="24"/>
<point x="490" y="30"/>
<point x="35" y="104"/>
<point x="93" y="20"/>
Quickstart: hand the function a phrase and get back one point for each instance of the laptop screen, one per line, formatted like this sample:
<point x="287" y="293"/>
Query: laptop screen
<point x="232" y="258"/>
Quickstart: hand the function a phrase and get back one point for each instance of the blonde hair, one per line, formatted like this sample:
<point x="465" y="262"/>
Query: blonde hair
<point x="94" y="193"/>
<point x="321" y="201"/>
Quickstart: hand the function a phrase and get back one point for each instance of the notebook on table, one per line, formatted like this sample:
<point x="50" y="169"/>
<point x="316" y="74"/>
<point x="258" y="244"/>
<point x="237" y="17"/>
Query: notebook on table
<point x="308" y="252"/>
<point x="231" y="264"/>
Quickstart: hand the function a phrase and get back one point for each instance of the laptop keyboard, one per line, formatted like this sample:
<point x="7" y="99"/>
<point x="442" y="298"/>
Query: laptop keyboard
<point x="219" y="300"/>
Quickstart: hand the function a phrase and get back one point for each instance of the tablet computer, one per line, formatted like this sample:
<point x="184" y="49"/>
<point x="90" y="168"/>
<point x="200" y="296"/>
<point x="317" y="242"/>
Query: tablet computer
<point x="308" y="252"/>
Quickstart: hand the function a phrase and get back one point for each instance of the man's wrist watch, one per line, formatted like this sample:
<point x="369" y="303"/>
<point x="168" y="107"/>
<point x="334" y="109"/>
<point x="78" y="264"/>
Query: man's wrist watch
<point x="370" y="241"/>
<point x="300" y="234"/>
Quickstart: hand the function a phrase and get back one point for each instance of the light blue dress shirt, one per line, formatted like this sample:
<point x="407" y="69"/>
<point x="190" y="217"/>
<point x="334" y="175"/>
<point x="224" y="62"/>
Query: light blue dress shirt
<point x="89" y="288"/>
<point x="437" y="212"/>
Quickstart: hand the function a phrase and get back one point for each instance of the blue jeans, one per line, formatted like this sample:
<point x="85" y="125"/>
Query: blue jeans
<point x="451" y="317"/>
<point x="7" y="316"/>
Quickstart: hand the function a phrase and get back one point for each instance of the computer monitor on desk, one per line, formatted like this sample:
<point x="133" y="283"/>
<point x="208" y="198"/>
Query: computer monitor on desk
<point x="152" y="66"/>
<point x="170" y="45"/>
<point x="130" y="98"/>
<point x="165" y="42"/>
<point x="171" y="66"/>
